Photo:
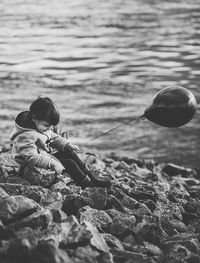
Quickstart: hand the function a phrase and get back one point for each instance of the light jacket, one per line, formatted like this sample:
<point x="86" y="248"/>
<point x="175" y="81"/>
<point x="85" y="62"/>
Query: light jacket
<point x="31" y="147"/>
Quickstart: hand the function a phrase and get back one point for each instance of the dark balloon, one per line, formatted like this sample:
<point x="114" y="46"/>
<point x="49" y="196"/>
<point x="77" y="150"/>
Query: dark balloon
<point x="172" y="107"/>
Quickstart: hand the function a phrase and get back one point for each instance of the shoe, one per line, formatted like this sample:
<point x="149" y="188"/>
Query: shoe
<point x="104" y="183"/>
<point x="87" y="182"/>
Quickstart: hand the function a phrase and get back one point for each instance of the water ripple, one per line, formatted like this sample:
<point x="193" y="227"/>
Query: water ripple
<point x="101" y="61"/>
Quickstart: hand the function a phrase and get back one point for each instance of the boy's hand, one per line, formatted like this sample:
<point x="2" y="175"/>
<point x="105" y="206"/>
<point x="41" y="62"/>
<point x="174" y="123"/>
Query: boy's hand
<point x="73" y="147"/>
<point x="56" y="166"/>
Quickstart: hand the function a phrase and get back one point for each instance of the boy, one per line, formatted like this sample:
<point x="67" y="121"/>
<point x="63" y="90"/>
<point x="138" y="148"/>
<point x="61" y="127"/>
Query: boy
<point x="33" y="140"/>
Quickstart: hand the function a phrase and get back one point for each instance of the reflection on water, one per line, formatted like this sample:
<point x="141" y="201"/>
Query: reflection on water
<point x="102" y="62"/>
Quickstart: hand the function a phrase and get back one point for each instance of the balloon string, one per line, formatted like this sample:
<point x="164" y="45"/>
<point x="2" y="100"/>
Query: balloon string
<point x="124" y="123"/>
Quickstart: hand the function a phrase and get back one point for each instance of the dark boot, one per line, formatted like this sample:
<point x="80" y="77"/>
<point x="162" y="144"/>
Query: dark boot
<point x="98" y="182"/>
<point x="86" y="183"/>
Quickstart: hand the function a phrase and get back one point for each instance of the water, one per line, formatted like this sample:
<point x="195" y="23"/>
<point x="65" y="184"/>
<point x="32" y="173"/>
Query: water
<point x="102" y="62"/>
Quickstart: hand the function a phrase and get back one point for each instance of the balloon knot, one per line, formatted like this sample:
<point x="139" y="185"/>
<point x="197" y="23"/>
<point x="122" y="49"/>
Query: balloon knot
<point x="142" y="117"/>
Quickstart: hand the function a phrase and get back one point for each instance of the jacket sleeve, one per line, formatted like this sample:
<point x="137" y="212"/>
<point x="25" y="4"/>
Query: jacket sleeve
<point x="58" y="142"/>
<point x="27" y="149"/>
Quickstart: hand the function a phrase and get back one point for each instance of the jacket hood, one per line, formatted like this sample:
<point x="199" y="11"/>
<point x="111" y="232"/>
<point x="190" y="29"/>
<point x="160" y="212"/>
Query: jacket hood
<point x="23" y="122"/>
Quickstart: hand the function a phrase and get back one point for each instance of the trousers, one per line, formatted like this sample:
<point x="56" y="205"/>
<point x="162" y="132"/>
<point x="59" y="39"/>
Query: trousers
<point x="73" y="166"/>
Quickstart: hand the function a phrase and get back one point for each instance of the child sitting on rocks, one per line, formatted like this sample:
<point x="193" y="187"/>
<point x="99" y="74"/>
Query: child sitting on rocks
<point x="33" y="139"/>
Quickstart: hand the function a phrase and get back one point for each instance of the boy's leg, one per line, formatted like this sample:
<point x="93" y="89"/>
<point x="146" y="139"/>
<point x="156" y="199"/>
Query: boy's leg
<point x="83" y="167"/>
<point x="74" y="170"/>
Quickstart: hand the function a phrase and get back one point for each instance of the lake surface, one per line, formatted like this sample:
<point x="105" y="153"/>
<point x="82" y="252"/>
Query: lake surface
<point x="102" y="62"/>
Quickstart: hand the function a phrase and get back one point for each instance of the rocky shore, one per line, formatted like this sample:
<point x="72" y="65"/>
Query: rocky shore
<point x="150" y="214"/>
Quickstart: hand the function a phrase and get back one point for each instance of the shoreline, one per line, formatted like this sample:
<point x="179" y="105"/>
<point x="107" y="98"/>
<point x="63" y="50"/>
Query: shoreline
<point x="85" y="120"/>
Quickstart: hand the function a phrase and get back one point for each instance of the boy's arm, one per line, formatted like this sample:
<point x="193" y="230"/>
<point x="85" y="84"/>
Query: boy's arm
<point x="58" y="142"/>
<point x="62" y="144"/>
<point x="27" y="149"/>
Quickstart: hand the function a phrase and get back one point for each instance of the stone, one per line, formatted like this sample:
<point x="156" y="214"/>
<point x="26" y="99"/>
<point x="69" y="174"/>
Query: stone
<point x="38" y="220"/>
<point x="128" y="255"/>
<point x="13" y="207"/>
<point x="170" y="210"/>
<point x="97" y="239"/>
<point x="189" y="241"/>
<point x="121" y="223"/>
<point x="6" y="233"/>
<point x="58" y="215"/>
<point x="71" y="232"/>
<point x="19" y="251"/>
<point x="179" y="226"/>
<point x="3" y="193"/>
<point x="98" y="218"/>
<point x="39" y="176"/>
<point x="46" y="252"/>
<point x="192" y="206"/>
<point x="173" y="170"/>
<point x="62" y="188"/>
<point x="149" y="215"/>
<point x="130" y="203"/>
<point x="73" y="203"/>
<point x="112" y="241"/>
<point x="85" y="254"/>
<point x="97" y="195"/>
<point x="39" y="194"/>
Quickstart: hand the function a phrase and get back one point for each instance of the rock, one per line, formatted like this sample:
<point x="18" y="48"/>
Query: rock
<point x="192" y="258"/>
<point x="167" y="226"/>
<point x="6" y="233"/>
<point x="131" y="240"/>
<point x="194" y="225"/>
<point x="173" y="170"/>
<point x="62" y="188"/>
<point x="146" y="248"/>
<point x="150" y="231"/>
<point x="97" y="239"/>
<point x="19" y="251"/>
<point x="150" y="204"/>
<point x="98" y="218"/>
<point x="152" y="249"/>
<point x="71" y="233"/>
<point x="188" y="218"/>
<point x="126" y="201"/>
<point x="37" y="220"/>
<point x="33" y="235"/>
<point x="149" y="215"/>
<point x="122" y="166"/>
<point x="122" y="224"/>
<point x="58" y="215"/>
<point x="73" y="203"/>
<point x="85" y="254"/>
<point x="3" y="193"/>
<point x="189" y="241"/>
<point x="97" y="195"/>
<point x="7" y="146"/>
<point x="39" y="176"/>
<point x="112" y="241"/>
<point x="13" y="207"/>
<point x="39" y="194"/>
<point x="169" y="210"/>
<point x="141" y="195"/>
<point x="179" y="226"/>
<point x="192" y="206"/>
<point x="127" y="256"/>
<point x="46" y="252"/>
<point x="8" y="168"/>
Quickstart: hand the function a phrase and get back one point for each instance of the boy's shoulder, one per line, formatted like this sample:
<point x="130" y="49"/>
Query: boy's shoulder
<point x="32" y="134"/>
